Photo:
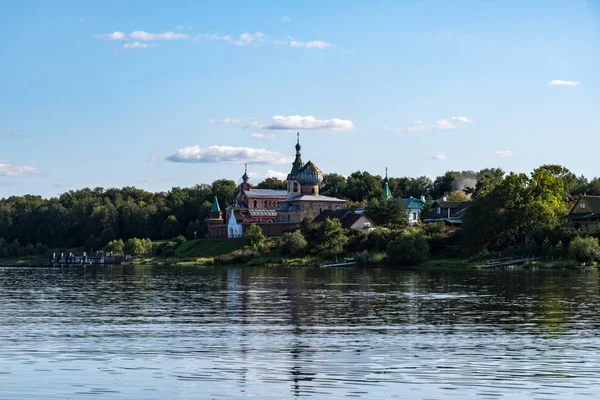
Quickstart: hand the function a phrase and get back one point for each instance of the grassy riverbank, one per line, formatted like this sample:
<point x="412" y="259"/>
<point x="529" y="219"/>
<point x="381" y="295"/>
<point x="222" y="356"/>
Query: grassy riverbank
<point x="203" y="252"/>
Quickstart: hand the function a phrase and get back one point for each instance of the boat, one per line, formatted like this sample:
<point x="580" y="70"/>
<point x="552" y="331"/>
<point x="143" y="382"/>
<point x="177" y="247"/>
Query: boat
<point x="346" y="262"/>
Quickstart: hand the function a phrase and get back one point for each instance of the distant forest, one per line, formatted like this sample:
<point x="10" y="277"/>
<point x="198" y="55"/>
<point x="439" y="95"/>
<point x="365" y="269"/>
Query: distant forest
<point x="93" y="217"/>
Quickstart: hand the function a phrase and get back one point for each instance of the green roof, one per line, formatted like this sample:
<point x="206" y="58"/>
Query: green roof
<point x="412" y="203"/>
<point x="215" y="206"/>
<point x="386" y="187"/>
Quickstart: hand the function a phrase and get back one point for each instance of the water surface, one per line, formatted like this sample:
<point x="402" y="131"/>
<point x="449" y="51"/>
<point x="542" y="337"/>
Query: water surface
<point x="275" y="333"/>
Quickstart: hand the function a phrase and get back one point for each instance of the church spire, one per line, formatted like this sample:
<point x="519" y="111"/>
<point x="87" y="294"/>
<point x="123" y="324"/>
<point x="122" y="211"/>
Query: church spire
<point x="298" y="161"/>
<point x="245" y="177"/>
<point x="386" y="187"/>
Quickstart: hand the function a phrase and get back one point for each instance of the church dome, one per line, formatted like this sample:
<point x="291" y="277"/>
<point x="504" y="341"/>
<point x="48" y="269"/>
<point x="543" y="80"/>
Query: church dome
<point x="309" y="174"/>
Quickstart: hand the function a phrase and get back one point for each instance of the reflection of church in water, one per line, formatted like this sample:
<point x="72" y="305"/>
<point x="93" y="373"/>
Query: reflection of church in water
<point x="275" y="211"/>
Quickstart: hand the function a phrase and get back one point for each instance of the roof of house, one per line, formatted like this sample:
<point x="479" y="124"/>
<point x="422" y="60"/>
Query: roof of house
<point x="412" y="203"/>
<point x="350" y="219"/>
<point x="261" y="212"/>
<point x="592" y="205"/>
<point x="310" y="197"/>
<point x="266" y="193"/>
<point x="338" y="213"/>
<point x="288" y="207"/>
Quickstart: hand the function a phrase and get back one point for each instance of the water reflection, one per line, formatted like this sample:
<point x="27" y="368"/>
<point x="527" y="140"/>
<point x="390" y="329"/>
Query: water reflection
<point x="182" y="333"/>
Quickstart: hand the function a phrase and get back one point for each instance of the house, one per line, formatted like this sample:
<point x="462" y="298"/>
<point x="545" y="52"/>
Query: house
<point x="450" y="212"/>
<point x="414" y="208"/>
<point x="585" y="213"/>
<point x="348" y="218"/>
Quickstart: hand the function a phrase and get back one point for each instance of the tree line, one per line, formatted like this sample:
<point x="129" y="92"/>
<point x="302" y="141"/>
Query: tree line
<point x="91" y="218"/>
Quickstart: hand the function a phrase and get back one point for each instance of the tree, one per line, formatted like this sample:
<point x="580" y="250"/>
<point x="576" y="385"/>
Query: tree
<point x="388" y="213"/>
<point x="332" y="237"/>
<point x="458" y="195"/>
<point x="333" y="185"/>
<point x="137" y="247"/>
<point x="584" y="249"/>
<point x="363" y="186"/>
<point x="170" y="227"/>
<point x="409" y="249"/>
<point x="293" y="243"/>
<point x="255" y="237"/>
<point x="515" y="207"/>
<point x="272" y="183"/>
<point x="115" y="246"/>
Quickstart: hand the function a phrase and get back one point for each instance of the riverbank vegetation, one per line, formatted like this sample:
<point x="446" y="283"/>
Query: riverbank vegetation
<point x="509" y="215"/>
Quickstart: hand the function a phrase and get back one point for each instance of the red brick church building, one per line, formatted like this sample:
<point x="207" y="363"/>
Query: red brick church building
<point x="275" y="211"/>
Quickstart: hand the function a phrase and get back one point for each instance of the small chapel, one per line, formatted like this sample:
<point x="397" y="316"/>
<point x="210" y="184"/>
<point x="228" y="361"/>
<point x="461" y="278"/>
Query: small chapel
<point x="274" y="211"/>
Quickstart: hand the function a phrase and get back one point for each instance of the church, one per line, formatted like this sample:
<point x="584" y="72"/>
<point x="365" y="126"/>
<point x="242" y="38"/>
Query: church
<point x="274" y="211"/>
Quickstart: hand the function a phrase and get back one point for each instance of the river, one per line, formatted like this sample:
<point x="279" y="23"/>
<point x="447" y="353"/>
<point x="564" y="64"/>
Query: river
<point x="283" y="333"/>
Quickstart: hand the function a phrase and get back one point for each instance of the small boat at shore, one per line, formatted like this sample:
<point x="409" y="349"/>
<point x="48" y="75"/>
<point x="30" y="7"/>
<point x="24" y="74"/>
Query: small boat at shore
<point x="346" y="262"/>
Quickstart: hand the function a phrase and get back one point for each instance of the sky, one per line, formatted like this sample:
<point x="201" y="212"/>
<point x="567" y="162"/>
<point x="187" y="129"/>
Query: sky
<point x="157" y="94"/>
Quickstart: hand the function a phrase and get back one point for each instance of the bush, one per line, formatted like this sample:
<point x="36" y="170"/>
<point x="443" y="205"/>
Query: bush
<point x="332" y="236"/>
<point x="235" y="257"/>
<point x="409" y="249"/>
<point x="256" y="239"/>
<point x="137" y="247"/>
<point x="41" y="249"/>
<point x="370" y="258"/>
<point x="434" y="228"/>
<point x="293" y="243"/>
<point x="180" y="240"/>
<point x="115" y="246"/>
<point x="165" y="249"/>
<point x="584" y="249"/>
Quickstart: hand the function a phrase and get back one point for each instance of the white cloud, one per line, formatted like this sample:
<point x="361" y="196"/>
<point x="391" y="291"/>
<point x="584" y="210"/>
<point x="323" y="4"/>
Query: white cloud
<point x="313" y="44"/>
<point x="269" y="174"/>
<point x="262" y="136"/>
<point x="559" y="82"/>
<point x="297" y="122"/>
<point x="7" y="169"/>
<point x="285" y="19"/>
<point x="116" y="35"/>
<point x="223" y="121"/>
<point x="242" y="40"/>
<point x="504" y="153"/>
<point x="216" y="154"/>
<point x="61" y="185"/>
<point x="168" y="35"/>
<point x="451" y="123"/>
<point x="440" y="157"/>
<point x="152" y="158"/>
<point x="137" y="45"/>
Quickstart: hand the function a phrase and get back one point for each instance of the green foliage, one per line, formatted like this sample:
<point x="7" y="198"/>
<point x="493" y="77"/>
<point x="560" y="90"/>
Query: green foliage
<point x="179" y="240"/>
<point x="170" y="227"/>
<point x="164" y="249"/>
<point x="332" y="237"/>
<point x="333" y="185"/>
<point x="115" y="246"/>
<point x="584" y="249"/>
<point x="362" y="185"/>
<point x="408" y="249"/>
<point x="206" y="248"/>
<point x="457" y="195"/>
<point x="434" y="228"/>
<point x="272" y="183"/>
<point x="388" y="213"/>
<point x="293" y="243"/>
<point x="255" y="237"/>
<point x="514" y="208"/>
<point x="366" y="257"/>
<point x="236" y="257"/>
<point x="137" y="247"/>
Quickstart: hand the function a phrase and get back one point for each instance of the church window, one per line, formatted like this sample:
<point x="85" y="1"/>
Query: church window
<point x="254" y="203"/>
<point x="288" y="218"/>
<point x="313" y="190"/>
<point x="295" y="187"/>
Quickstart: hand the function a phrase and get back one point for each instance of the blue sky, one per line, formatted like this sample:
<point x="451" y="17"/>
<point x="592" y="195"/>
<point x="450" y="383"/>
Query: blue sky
<point x="161" y="94"/>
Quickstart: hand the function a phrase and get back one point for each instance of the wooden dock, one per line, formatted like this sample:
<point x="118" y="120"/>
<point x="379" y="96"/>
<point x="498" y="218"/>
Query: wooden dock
<point x="507" y="261"/>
